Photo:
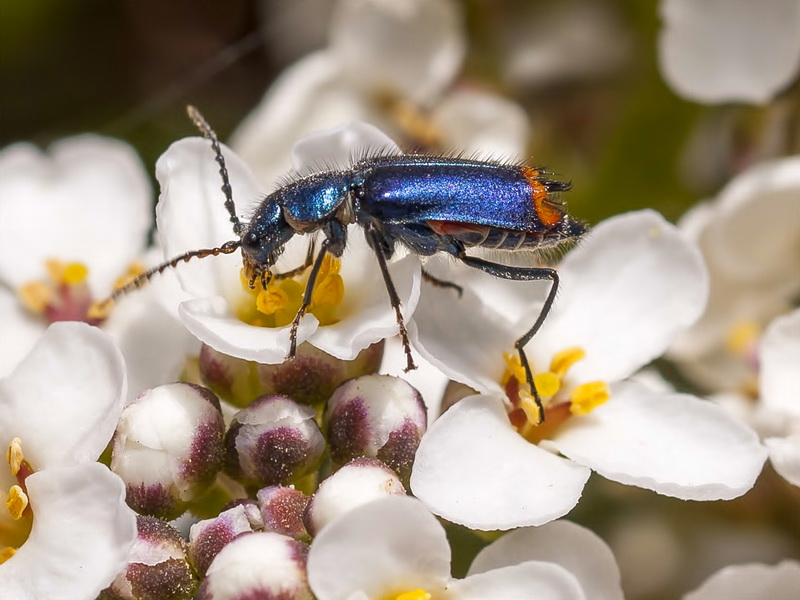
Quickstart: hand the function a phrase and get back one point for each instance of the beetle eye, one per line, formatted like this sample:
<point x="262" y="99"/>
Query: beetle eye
<point x="251" y="243"/>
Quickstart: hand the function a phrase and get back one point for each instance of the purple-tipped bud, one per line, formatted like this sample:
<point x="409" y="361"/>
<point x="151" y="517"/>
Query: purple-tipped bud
<point x="309" y="378"/>
<point x="262" y="565"/>
<point x="207" y="538"/>
<point x="377" y="416"/>
<point x="168" y="448"/>
<point x="358" y="482"/>
<point x="273" y="441"/>
<point x="282" y="510"/>
<point x="158" y="567"/>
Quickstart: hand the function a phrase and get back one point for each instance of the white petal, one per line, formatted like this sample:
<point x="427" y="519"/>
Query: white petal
<point x="474" y="469"/>
<point x="93" y="204"/>
<point x="766" y="194"/>
<point x="338" y="147"/>
<point x="308" y="96"/>
<point x="370" y="39"/>
<point x="387" y="545"/>
<point x="626" y="292"/>
<point x="780" y="357"/>
<point x="751" y="582"/>
<point x="581" y="552"/>
<point x="20" y="330"/>
<point x="540" y="580"/>
<point x="191" y="212"/>
<point x="367" y="314"/>
<point x="674" y="444"/>
<point x="482" y="125"/>
<point x="81" y="537"/>
<point x="211" y="320"/>
<point x="65" y="397"/>
<point x="784" y="454"/>
<point x="462" y="337"/>
<point x="728" y="51"/>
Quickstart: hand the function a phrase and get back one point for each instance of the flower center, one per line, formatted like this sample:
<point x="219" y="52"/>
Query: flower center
<point x="278" y="303"/>
<point x="15" y="531"/>
<point x="65" y="294"/>
<point x="418" y="594"/>
<point x="559" y="400"/>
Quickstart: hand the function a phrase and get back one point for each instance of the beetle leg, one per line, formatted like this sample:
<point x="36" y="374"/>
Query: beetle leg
<point x="521" y="274"/>
<point x="432" y="279"/>
<point x="375" y="241"/>
<point x="302" y="268"/>
<point x="312" y="279"/>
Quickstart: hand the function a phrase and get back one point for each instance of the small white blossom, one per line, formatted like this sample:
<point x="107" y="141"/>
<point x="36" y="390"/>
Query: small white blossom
<point x="715" y="51"/>
<point x="751" y="582"/>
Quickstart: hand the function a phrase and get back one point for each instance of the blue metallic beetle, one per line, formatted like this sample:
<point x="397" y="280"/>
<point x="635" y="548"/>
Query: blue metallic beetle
<point x="429" y="204"/>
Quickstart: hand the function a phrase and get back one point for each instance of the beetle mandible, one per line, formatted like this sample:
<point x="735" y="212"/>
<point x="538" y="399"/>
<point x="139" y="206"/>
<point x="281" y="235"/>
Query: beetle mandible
<point x="429" y="204"/>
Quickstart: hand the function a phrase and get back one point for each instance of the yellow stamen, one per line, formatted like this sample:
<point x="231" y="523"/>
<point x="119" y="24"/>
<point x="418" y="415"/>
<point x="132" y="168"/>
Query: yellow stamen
<point x="74" y="273"/>
<point x="55" y="269"/>
<point x="528" y="405"/>
<point x="585" y="398"/>
<point x="412" y="595"/>
<point x="513" y="369"/>
<point x="547" y="384"/>
<point x="99" y="309"/>
<point x="36" y="296"/>
<point x="742" y="337"/>
<point x="14" y="455"/>
<point x="563" y="360"/>
<point x="6" y="553"/>
<point x="271" y="300"/>
<point x="17" y="502"/>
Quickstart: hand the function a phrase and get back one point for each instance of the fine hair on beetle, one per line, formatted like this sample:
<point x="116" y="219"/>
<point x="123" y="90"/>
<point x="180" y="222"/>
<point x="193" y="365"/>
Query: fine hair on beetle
<point x="428" y="204"/>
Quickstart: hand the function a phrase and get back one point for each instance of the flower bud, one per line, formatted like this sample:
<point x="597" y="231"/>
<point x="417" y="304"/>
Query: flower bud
<point x="309" y="378"/>
<point x="158" y="567"/>
<point x="258" y="565"/>
<point x="271" y="442"/>
<point x="360" y="481"/>
<point x="207" y="538"/>
<point x="377" y="416"/>
<point x="168" y="448"/>
<point x="282" y="510"/>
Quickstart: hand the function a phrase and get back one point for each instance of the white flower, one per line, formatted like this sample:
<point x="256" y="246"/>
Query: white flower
<point x="394" y="548"/>
<point x="751" y="582"/>
<point x="72" y="222"/>
<point x="626" y="292"/>
<point x="716" y="51"/>
<point x="390" y="64"/>
<point x="749" y="237"/>
<point x="57" y="413"/>
<point x="191" y="215"/>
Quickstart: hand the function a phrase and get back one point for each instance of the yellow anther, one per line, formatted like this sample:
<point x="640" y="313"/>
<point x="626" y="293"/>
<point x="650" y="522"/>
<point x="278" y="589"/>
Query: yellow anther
<point x="17" y="502"/>
<point x="6" y="553"/>
<point x="36" y="296"/>
<point x="14" y="455"/>
<point x="412" y="595"/>
<point x="563" y="360"/>
<point x="271" y="300"/>
<point x="74" y="273"/>
<point x="742" y="337"/>
<point x="528" y="405"/>
<point x="55" y="269"/>
<point x="330" y="266"/>
<point x="329" y="291"/>
<point x="100" y="309"/>
<point x="588" y="396"/>
<point x="547" y="384"/>
<point x="513" y="368"/>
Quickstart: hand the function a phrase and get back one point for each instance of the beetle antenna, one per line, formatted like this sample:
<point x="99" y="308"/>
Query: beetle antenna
<point x="101" y="309"/>
<point x="209" y="133"/>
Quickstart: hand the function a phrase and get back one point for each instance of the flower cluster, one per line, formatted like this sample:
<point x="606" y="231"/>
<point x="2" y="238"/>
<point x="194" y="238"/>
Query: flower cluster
<point x="167" y="448"/>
